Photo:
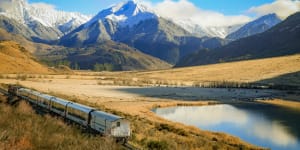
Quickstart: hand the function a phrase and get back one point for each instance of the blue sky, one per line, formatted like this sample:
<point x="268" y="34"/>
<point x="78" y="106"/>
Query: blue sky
<point x="202" y="12"/>
<point x="226" y="7"/>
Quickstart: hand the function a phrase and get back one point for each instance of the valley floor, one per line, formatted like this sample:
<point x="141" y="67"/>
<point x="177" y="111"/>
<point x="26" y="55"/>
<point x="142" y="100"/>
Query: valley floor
<point x="136" y="103"/>
<point x="134" y="94"/>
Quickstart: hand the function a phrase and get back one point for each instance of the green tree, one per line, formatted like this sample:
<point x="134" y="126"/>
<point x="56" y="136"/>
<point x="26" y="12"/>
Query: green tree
<point x="108" y="67"/>
<point x="98" y="67"/>
<point x="76" y="66"/>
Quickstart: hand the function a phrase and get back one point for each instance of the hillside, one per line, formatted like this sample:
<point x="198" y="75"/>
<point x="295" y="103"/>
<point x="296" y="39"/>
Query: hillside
<point x="282" y="39"/>
<point x="27" y="44"/>
<point x="16" y="59"/>
<point x="23" y="129"/>
<point x="259" y="25"/>
<point x="118" y="55"/>
<point x="276" y="70"/>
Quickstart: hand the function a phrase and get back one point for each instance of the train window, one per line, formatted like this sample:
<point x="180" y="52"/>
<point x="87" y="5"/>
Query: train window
<point x="76" y="113"/>
<point x="118" y="124"/>
<point x="44" y="101"/>
<point x="58" y="106"/>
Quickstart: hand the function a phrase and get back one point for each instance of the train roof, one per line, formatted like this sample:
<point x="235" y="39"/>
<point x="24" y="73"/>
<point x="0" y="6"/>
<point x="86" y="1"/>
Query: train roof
<point x="107" y="116"/>
<point x="81" y="107"/>
<point x="46" y="96"/>
<point x="59" y="100"/>
<point x="31" y="91"/>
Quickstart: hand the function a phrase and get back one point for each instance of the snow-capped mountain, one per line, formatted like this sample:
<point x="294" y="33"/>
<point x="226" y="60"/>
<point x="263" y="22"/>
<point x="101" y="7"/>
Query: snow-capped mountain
<point x="254" y="27"/>
<point x="138" y="26"/>
<point x="125" y="14"/>
<point x="209" y="31"/>
<point x="46" y="15"/>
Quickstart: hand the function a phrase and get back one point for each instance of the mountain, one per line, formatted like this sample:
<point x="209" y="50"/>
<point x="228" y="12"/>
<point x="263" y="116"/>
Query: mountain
<point x="254" y="27"/>
<point x="207" y="31"/>
<point x="282" y="39"/>
<point x="140" y="27"/>
<point x="46" y="22"/>
<point x="125" y="14"/>
<point x="119" y="56"/>
<point x="16" y="59"/>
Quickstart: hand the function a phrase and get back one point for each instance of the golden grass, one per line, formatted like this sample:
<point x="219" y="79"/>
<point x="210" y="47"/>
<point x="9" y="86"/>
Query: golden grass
<point x="22" y="129"/>
<point x="243" y="71"/>
<point x="151" y="131"/>
<point x="15" y="59"/>
<point x="283" y="103"/>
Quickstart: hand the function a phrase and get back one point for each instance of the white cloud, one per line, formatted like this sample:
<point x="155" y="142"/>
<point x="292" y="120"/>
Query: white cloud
<point x="283" y="8"/>
<point x="43" y="6"/>
<point x="185" y="10"/>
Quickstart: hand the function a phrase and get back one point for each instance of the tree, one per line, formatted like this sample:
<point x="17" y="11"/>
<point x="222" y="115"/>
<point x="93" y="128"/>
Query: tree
<point x="98" y="67"/>
<point x="76" y="66"/>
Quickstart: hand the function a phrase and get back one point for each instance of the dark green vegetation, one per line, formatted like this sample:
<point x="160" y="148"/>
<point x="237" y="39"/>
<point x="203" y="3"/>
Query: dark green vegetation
<point x="21" y="128"/>
<point x="282" y="39"/>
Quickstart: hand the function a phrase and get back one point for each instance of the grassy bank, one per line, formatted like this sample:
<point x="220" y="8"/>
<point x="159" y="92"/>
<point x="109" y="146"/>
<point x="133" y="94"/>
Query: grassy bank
<point x="152" y="132"/>
<point x="283" y="103"/>
<point x="21" y="128"/>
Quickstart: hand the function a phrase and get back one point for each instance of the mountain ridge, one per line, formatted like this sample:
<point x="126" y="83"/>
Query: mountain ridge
<point x="256" y="26"/>
<point x="151" y="34"/>
<point x="37" y="16"/>
<point x="282" y="39"/>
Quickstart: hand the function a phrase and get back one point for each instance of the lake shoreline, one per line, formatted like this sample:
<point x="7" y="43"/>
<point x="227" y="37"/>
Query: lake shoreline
<point x="283" y="103"/>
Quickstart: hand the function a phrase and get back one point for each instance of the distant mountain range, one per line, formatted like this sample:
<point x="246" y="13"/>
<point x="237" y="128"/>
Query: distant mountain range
<point x="259" y="25"/>
<point x="138" y="26"/>
<point x="46" y="22"/>
<point x="282" y="39"/>
<point x="127" y="26"/>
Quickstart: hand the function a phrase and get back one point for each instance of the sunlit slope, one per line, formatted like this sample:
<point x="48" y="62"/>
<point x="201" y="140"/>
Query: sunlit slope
<point x="16" y="59"/>
<point x="243" y="71"/>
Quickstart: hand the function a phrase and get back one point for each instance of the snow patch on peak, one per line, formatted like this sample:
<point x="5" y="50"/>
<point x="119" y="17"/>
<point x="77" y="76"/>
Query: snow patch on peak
<point x="209" y="31"/>
<point x="125" y="14"/>
<point x="46" y="14"/>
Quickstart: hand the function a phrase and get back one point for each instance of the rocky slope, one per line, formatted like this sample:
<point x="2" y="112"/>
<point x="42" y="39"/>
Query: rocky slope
<point x="259" y="25"/>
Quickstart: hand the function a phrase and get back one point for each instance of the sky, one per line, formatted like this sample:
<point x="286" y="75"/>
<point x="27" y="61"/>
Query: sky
<point x="91" y="7"/>
<point x="207" y="12"/>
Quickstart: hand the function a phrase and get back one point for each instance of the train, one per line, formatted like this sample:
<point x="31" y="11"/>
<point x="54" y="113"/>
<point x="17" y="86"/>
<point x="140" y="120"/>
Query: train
<point x="89" y="117"/>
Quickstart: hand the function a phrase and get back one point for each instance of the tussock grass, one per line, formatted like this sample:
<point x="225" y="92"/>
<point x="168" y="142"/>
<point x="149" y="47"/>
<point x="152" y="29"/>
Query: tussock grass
<point x="161" y="134"/>
<point x="21" y="128"/>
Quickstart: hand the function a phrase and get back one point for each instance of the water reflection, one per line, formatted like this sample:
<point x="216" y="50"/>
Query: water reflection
<point x="252" y="126"/>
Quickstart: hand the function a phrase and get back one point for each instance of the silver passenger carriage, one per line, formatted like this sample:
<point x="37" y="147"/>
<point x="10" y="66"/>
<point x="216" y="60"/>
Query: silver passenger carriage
<point x="58" y="106"/>
<point x="78" y="113"/>
<point x="105" y="123"/>
<point x="110" y="124"/>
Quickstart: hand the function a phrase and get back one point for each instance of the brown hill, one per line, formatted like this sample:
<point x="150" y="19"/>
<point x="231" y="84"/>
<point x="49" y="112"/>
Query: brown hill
<point x="29" y="45"/>
<point x="16" y="59"/>
<point x="278" y="70"/>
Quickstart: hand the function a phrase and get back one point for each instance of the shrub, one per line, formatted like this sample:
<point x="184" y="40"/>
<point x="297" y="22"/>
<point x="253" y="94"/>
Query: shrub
<point x="157" y="145"/>
<point x="169" y="128"/>
<point x="21" y="77"/>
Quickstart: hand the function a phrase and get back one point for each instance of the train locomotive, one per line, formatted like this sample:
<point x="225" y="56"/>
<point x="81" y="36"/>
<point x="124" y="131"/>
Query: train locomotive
<point x="91" y="118"/>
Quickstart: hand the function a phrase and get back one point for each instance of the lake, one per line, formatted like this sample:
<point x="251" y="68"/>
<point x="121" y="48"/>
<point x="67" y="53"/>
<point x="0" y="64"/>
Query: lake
<point x="260" y="124"/>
